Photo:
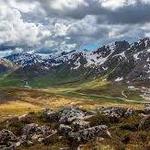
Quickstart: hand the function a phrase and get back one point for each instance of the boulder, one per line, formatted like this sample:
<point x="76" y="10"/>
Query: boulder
<point x="115" y="113"/>
<point x="50" y="115"/>
<point x="147" y="108"/>
<point x="90" y="133"/>
<point x="30" y="129"/>
<point x="70" y="114"/>
<point x="33" y="133"/>
<point x="80" y="124"/>
<point x="64" y="129"/>
<point x="7" y="140"/>
<point x="144" y="122"/>
<point x="129" y="112"/>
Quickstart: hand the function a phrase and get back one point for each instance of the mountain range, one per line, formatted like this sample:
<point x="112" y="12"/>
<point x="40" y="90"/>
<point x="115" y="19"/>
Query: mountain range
<point x="120" y="62"/>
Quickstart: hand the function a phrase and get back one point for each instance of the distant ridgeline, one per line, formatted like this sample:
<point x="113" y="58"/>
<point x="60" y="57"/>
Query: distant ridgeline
<point x="119" y="62"/>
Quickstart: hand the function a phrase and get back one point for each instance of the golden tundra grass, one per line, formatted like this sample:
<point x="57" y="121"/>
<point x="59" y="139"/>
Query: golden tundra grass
<point x="35" y="100"/>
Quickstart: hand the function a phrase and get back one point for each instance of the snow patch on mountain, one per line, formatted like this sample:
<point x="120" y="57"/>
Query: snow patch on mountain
<point x="136" y="56"/>
<point x="119" y="79"/>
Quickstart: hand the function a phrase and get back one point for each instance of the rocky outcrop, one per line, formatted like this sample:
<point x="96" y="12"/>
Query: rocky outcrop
<point x="85" y="135"/>
<point x="144" y="122"/>
<point x="34" y="132"/>
<point x="70" y="114"/>
<point x="80" y="124"/>
<point x="115" y="113"/>
<point x="66" y="115"/>
<point x="147" y="108"/>
<point x="73" y="125"/>
<point x="64" y="129"/>
<point x="50" y="115"/>
<point x="8" y="141"/>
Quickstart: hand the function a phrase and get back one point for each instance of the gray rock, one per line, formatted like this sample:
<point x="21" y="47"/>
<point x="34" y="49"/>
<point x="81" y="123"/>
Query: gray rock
<point x="64" y="129"/>
<point x="115" y="113"/>
<point x="50" y="115"/>
<point x="129" y="112"/>
<point x="144" y="122"/>
<point x="33" y="133"/>
<point x="7" y="140"/>
<point x="69" y="114"/>
<point x="147" y="108"/>
<point x="80" y="124"/>
<point x="90" y="133"/>
<point x="30" y="129"/>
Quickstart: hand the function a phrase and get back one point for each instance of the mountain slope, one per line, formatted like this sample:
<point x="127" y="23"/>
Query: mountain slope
<point x="118" y="62"/>
<point x="7" y="66"/>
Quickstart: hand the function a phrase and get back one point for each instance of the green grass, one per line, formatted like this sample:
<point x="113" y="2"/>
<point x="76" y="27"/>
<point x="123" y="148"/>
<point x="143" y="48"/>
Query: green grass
<point x="73" y="86"/>
<point x="6" y="81"/>
<point x="100" y="90"/>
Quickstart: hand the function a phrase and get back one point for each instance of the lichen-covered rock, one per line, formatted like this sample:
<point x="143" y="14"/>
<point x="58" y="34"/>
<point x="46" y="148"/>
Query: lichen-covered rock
<point x="50" y="115"/>
<point x="64" y="129"/>
<point x="66" y="115"/>
<point x="147" y="108"/>
<point x="80" y="124"/>
<point x="7" y="140"/>
<point x="90" y="133"/>
<point x="30" y="129"/>
<point x="33" y="133"/>
<point x="129" y="112"/>
<point x="144" y="123"/>
<point x="115" y="113"/>
<point x="70" y="114"/>
<point x="16" y="120"/>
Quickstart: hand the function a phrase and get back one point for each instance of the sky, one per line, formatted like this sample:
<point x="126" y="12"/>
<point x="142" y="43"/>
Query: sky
<point x="48" y="26"/>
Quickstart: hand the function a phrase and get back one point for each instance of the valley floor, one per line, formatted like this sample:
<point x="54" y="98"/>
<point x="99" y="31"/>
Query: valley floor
<point x="20" y="101"/>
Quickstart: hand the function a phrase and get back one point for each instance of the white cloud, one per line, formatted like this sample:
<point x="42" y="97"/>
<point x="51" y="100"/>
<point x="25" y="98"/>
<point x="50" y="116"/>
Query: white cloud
<point x="49" y="43"/>
<point x="113" y="4"/>
<point x="23" y="6"/>
<point x="87" y="26"/>
<point x="61" y="29"/>
<point x="66" y="4"/>
<point x="15" y="31"/>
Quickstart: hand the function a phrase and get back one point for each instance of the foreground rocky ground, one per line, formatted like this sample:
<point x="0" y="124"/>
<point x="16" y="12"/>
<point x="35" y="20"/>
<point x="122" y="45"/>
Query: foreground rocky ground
<point x="72" y="128"/>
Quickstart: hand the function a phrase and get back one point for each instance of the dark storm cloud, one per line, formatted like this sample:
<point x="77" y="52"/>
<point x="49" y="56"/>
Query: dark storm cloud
<point x="130" y="14"/>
